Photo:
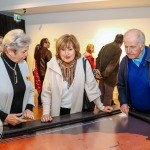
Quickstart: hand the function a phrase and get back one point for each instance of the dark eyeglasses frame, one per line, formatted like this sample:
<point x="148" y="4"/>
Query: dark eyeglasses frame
<point x="47" y="42"/>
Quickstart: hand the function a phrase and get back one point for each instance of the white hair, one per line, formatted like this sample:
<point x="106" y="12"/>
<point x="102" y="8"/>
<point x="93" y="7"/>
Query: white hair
<point x="16" y="39"/>
<point x="140" y="35"/>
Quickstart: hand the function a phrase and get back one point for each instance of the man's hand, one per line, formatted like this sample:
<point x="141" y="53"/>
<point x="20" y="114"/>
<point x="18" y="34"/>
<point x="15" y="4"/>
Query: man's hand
<point x="125" y="109"/>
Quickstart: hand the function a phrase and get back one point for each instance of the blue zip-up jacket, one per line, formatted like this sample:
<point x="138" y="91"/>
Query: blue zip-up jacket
<point x="123" y="90"/>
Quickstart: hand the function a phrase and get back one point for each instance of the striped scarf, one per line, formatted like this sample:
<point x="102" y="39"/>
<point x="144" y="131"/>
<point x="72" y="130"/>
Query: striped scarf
<point x="68" y="70"/>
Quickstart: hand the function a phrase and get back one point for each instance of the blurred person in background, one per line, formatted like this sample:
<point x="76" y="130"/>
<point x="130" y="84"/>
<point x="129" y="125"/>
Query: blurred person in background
<point x="89" y="56"/>
<point x="42" y="56"/>
<point x="108" y="64"/>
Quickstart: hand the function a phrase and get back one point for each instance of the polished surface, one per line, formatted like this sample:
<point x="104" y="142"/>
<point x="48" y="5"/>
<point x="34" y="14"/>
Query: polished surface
<point x="114" y="132"/>
<point x="36" y="125"/>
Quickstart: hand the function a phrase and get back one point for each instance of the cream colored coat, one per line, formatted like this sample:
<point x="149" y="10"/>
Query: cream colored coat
<point x="53" y="82"/>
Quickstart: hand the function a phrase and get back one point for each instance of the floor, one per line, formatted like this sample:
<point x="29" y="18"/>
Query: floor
<point x="37" y="110"/>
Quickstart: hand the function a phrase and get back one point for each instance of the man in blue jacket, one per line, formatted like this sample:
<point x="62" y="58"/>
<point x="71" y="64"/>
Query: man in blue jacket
<point x="134" y="73"/>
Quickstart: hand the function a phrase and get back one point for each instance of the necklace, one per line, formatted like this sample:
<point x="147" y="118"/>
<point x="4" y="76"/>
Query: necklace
<point x="14" y="71"/>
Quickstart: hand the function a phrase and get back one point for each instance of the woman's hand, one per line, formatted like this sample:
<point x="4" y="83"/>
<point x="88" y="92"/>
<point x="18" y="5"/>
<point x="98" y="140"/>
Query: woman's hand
<point x="107" y="109"/>
<point x="46" y="118"/>
<point x="14" y="119"/>
<point x="28" y="114"/>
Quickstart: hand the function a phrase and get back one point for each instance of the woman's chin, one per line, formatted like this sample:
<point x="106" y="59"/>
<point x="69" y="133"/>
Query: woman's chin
<point x="68" y="60"/>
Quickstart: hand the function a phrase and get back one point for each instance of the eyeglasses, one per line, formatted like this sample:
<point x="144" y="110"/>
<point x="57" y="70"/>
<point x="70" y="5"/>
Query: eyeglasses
<point x="47" y="42"/>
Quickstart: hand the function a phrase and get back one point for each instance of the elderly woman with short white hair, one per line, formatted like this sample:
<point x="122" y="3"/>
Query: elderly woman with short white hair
<point x="16" y="92"/>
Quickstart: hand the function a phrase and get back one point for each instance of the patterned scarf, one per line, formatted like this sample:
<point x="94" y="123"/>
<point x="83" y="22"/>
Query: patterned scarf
<point x="68" y="70"/>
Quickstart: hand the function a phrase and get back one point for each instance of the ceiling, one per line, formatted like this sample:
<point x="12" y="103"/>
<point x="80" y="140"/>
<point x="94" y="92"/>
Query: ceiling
<point x="78" y="6"/>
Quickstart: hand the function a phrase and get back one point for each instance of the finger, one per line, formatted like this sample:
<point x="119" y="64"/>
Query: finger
<point x="18" y="115"/>
<point x="31" y="117"/>
<point x="28" y="114"/>
<point x="43" y="119"/>
<point x="25" y="115"/>
<point x="50" y="118"/>
<point x="22" y="120"/>
<point x="46" y="118"/>
<point x="109" y="110"/>
<point x="126" y="112"/>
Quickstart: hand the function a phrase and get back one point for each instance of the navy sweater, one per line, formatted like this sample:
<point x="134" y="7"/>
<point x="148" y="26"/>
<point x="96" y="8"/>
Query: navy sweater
<point x="138" y="86"/>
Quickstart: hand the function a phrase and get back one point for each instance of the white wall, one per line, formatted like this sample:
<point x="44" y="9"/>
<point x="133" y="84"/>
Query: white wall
<point x="94" y="26"/>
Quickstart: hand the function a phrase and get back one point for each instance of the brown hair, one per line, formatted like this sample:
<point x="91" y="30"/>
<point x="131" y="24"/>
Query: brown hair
<point x="64" y="41"/>
<point x="89" y="48"/>
<point x="44" y="40"/>
<point x="37" y="48"/>
<point x="119" y="39"/>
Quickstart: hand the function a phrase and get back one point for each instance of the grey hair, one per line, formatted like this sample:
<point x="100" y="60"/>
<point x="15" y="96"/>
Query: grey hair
<point x="16" y="39"/>
<point x="140" y="35"/>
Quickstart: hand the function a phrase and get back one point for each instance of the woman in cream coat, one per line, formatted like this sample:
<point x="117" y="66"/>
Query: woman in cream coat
<point x="64" y="82"/>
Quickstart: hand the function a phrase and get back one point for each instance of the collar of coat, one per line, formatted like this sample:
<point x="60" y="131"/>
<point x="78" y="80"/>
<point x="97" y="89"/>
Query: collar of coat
<point x="53" y="65"/>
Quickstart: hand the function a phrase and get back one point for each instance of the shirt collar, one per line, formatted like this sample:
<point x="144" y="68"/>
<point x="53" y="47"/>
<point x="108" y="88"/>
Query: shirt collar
<point x="138" y="61"/>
